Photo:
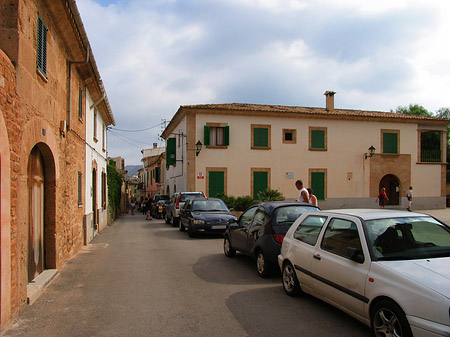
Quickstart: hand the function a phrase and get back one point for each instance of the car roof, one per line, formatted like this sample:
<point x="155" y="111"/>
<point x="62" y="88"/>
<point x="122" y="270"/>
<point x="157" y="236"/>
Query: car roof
<point x="270" y="206"/>
<point x="373" y="214"/>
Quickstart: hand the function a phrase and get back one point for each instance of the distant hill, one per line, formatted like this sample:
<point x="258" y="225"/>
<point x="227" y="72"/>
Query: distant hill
<point x="132" y="169"/>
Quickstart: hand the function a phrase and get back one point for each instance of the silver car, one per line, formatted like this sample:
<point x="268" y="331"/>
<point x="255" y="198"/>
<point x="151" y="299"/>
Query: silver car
<point x="176" y="202"/>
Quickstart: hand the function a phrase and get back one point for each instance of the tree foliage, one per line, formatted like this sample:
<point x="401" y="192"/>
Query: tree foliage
<point x="270" y="195"/>
<point x="414" y="109"/>
<point x="114" y="181"/>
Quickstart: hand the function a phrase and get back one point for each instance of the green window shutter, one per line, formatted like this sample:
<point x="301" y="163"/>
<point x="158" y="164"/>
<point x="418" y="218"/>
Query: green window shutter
<point x="157" y="174"/>
<point x="390" y="142"/>
<point x="206" y="132"/>
<point x="226" y="136"/>
<point x="318" y="139"/>
<point x="41" y="57"/>
<point x="260" y="182"/>
<point x="80" y="199"/>
<point x="171" y="149"/>
<point x="80" y="103"/>
<point x="318" y="184"/>
<point x="261" y="137"/>
<point x="216" y="182"/>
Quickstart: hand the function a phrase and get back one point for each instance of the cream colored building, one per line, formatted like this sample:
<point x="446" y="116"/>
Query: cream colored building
<point x="248" y="147"/>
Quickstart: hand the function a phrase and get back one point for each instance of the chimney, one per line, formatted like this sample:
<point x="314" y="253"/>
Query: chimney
<point x="155" y="145"/>
<point x="330" y="100"/>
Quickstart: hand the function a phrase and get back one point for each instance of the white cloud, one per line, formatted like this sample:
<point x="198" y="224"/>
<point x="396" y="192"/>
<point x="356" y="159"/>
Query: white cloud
<point x="155" y="56"/>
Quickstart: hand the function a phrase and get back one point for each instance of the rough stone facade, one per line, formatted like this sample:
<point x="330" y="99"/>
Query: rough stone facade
<point x="39" y="112"/>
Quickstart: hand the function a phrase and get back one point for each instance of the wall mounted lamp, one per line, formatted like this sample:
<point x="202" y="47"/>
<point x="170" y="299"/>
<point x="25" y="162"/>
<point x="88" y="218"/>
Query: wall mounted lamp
<point x="371" y="152"/>
<point x="198" y="147"/>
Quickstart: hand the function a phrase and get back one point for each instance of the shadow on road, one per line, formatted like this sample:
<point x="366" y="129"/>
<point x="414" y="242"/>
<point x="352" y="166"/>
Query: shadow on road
<point x="239" y="270"/>
<point x="270" y="312"/>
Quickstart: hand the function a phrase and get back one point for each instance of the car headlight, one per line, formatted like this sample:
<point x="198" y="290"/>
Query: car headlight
<point x="198" y="222"/>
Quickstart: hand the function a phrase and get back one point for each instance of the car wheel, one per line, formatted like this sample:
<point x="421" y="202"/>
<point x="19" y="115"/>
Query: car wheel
<point x="227" y="249"/>
<point x="175" y="221"/>
<point x="180" y="226"/>
<point x="289" y="279"/>
<point x="191" y="232"/>
<point x="262" y="265"/>
<point x="388" y="319"/>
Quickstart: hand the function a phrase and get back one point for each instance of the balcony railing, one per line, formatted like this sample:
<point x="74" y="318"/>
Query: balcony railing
<point x="430" y="156"/>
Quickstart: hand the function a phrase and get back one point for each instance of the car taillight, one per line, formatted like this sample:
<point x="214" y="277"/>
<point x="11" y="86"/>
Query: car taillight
<point x="177" y="205"/>
<point x="278" y="238"/>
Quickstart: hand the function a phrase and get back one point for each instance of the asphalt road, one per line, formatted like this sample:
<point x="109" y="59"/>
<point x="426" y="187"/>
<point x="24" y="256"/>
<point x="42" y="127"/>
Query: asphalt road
<point x="145" y="278"/>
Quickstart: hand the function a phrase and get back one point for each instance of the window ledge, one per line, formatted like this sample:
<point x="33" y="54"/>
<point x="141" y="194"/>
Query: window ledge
<point x="318" y="149"/>
<point x="260" y="148"/>
<point x="42" y="76"/>
<point x="216" y="146"/>
<point x="431" y="163"/>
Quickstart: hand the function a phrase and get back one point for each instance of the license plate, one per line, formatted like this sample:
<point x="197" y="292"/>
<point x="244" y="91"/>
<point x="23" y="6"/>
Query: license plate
<point x="219" y="227"/>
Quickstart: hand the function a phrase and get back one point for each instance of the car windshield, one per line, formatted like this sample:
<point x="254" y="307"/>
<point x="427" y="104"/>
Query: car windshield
<point x="408" y="238"/>
<point x="209" y="206"/>
<point x="185" y="197"/>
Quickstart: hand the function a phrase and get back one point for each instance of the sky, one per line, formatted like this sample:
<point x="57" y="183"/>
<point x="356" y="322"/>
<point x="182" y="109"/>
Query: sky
<point x="154" y="56"/>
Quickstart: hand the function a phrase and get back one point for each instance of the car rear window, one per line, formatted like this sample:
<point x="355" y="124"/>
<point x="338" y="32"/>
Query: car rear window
<point x="189" y="196"/>
<point x="285" y="216"/>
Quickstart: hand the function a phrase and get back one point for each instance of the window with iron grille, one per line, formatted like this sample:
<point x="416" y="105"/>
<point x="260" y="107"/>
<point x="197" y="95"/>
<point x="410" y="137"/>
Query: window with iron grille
<point x="80" y="200"/>
<point x="80" y="103"/>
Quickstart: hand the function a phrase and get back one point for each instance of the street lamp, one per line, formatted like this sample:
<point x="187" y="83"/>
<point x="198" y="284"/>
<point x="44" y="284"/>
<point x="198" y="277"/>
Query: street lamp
<point x="371" y="152"/>
<point x="198" y="147"/>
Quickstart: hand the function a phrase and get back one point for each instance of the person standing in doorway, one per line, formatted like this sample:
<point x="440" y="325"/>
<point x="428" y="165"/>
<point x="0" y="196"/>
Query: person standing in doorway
<point x="382" y="198"/>
<point x="303" y="195"/>
<point x="409" y="196"/>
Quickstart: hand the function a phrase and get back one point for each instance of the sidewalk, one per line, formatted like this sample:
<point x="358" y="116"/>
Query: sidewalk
<point x="442" y="214"/>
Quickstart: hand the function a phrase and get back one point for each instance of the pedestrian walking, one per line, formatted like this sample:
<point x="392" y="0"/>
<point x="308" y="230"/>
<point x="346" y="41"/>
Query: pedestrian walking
<point x="409" y="196"/>
<point x="312" y="198"/>
<point x="382" y="198"/>
<point x="303" y="195"/>
<point x="132" y="206"/>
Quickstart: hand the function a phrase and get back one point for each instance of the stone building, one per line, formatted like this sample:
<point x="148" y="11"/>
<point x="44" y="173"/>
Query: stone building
<point x="46" y="70"/>
<point x="152" y="160"/>
<point x="346" y="156"/>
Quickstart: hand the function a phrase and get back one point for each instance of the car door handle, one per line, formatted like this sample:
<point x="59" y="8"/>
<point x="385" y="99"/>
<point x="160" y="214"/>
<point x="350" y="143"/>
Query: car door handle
<point x="317" y="257"/>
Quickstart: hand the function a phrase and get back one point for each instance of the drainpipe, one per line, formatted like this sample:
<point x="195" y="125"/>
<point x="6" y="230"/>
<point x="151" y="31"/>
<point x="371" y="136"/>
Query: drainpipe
<point x="69" y="86"/>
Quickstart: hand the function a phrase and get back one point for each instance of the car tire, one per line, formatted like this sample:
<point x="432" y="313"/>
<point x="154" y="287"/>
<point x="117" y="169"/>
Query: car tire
<point x="227" y="249"/>
<point x="191" y="232"/>
<point x="388" y="319"/>
<point x="263" y="267"/>
<point x="289" y="280"/>
<point x="181" y="227"/>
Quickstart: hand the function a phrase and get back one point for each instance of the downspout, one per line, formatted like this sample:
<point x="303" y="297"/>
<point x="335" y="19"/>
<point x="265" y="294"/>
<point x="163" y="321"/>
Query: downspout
<point x="69" y="86"/>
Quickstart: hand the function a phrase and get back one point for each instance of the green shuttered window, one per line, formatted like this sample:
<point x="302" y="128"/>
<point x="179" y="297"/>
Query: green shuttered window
<point x="318" y="139"/>
<point x="390" y="142"/>
<point x="216" y="135"/>
<point x="41" y="57"/>
<point x="80" y="183"/>
<point x="260" y="182"/>
<point x="216" y="182"/>
<point x="80" y="103"/>
<point x="171" y="152"/>
<point x="261" y="137"/>
<point x="318" y="184"/>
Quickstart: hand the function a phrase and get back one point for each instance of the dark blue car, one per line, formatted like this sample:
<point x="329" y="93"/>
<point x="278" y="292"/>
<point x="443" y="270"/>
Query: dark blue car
<point x="205" y="215"/>
<point x="260" y="231"/>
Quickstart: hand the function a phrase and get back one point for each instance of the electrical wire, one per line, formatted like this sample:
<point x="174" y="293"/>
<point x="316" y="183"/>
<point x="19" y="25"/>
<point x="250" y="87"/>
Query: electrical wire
<point x="139" y="130"/>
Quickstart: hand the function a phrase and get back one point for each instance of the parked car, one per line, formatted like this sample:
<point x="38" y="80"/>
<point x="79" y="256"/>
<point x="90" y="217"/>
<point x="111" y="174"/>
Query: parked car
<point x="205" y="216"/>
<point x="158" y="197"/>
<point x="176" y="202"/>
<point x="388" y="269"/>
<point x="260" y="231"/>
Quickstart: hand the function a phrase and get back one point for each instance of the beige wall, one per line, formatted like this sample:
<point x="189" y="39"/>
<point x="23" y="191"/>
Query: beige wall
<point x="348" y="173"/>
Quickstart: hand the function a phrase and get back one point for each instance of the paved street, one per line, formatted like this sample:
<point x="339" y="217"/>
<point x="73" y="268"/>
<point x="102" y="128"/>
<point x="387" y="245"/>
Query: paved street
<point x="145" y="278"/>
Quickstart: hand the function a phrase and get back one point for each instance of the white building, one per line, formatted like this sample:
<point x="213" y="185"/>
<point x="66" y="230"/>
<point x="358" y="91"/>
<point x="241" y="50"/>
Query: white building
<point x="98" y="117"/>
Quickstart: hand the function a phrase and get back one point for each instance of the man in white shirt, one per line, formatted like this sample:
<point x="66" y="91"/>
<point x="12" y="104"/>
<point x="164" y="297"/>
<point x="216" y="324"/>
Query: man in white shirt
<point x="409" y="196"/>
<point x="303" y="195"/>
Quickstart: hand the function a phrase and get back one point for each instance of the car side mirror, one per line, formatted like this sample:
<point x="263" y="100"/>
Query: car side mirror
<point x="355" y="255"/>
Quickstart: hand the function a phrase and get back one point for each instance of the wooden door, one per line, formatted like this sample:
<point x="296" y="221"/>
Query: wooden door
<point x="36" y="214"/>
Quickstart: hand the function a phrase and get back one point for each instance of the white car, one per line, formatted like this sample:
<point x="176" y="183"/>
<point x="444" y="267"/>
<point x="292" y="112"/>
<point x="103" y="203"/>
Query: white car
<point x="388" y="269"/>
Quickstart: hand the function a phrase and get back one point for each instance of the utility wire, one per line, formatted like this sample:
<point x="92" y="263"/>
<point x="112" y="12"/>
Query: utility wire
<point x="134" y="140"/>
<point x="139" y="130"/>
<point x="124" y="140"/>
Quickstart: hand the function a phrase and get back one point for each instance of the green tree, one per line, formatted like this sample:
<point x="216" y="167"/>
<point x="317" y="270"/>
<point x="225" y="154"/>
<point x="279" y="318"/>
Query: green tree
<point x="414" y="109"/>
<point x="114" y="181"/>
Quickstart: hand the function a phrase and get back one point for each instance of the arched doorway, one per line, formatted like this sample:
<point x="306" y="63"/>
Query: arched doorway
<point x="392" y="185"/>
<point x="36" y="223"/>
